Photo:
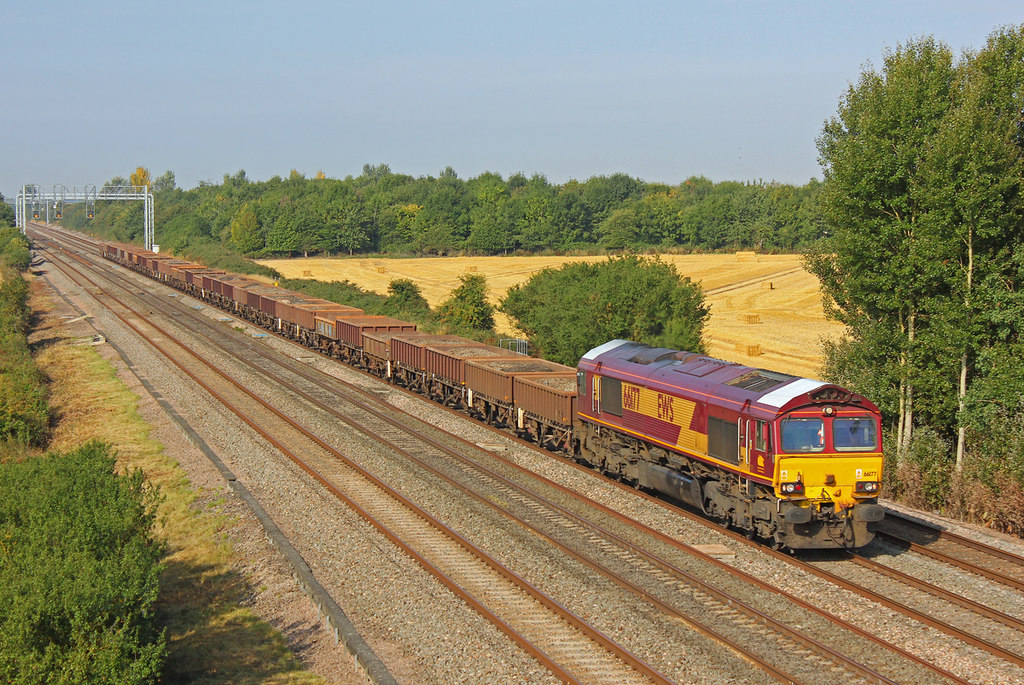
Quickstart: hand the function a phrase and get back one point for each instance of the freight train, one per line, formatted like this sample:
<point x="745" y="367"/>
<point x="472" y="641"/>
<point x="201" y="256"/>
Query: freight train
<point x="793" y="461"/>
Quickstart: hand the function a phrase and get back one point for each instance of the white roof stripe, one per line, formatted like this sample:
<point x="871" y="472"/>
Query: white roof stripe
<point x="607" y="347"/>
<point x="778" y="398"/>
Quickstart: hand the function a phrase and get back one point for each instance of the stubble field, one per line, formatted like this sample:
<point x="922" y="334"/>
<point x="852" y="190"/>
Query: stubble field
<point x="765" y="309"/>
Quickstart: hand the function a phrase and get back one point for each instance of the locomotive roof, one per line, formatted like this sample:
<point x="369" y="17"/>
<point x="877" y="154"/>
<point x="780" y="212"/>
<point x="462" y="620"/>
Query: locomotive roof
<point x="690" y="372"/>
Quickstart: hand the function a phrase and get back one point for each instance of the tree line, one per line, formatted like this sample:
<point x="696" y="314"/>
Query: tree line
<point x="924" y="198"/>
<point x="391" y="213"/>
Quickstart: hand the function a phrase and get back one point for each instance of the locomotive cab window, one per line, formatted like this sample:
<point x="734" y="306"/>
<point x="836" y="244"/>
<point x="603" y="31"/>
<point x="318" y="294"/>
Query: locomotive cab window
<point x="854" y="434"/>
<point x="802" y="435"/>
<point x="761" y="436"/>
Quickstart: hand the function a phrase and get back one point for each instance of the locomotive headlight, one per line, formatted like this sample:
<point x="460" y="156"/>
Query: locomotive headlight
<point x="867" y="487"/>
<point x="828" y="411"/>
<point x="796" y="488"/>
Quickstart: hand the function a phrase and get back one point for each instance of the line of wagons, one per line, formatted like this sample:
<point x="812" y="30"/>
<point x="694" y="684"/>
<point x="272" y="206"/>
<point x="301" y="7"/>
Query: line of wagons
<point x="534" y="397"/>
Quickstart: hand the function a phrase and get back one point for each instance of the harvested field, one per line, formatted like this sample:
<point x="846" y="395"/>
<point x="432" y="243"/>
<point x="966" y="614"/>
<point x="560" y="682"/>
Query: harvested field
<point x="759" y="303"/>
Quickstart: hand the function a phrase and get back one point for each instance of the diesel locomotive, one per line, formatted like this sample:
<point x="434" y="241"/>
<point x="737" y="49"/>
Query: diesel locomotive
<point x="792" y="460"/>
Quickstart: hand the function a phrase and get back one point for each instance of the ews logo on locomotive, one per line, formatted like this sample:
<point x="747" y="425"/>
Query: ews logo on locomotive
<point x="632" y="400"/>
<point x="666" y="412"/>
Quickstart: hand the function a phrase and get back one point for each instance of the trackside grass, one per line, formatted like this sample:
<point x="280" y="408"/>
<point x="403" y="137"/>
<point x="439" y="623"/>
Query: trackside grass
<point x="211" y="637"/>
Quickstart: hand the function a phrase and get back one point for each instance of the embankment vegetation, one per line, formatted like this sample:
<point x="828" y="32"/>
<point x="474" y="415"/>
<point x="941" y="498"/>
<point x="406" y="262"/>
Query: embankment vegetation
<point x="109" y="572"/>
<point x="78" y="559"/>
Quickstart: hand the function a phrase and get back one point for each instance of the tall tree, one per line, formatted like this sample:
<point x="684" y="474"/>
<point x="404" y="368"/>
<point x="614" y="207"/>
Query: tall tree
<point x="872" y="270"/>
<point x="974" y="187"/>
<point x="164" y="181"/>
<point x="245" y="231"/>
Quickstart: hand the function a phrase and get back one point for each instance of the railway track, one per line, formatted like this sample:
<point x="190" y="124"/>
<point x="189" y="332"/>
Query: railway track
<point x="631" y="564"/>
<point x="948" y="547"/>
<point x="983" y="623"/>
<point x="571" y="649"/>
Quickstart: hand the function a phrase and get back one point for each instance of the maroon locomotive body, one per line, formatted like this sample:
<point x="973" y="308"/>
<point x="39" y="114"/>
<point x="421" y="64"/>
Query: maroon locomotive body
<point x="794" y="460"/>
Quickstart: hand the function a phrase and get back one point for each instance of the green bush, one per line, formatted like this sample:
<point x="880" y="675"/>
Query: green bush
<point x="565" y="312"/>
<point x="24" y="411"/>
<point x="467" y="309"/>
<point x="78" y="572"/>
<point x="14" y="249"/>
<point x="406" y="301"/>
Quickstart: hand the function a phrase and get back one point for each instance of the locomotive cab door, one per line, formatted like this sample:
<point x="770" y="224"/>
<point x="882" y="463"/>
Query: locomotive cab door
<point x="759" y="442"/>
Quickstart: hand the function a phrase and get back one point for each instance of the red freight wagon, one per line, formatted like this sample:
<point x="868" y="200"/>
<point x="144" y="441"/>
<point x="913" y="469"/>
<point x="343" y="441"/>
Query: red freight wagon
<point x="306" y="314"/>
<point x="214" y="284"/>
<point x="545" y="405"/>
<point x="301" y="316"/>
<point x="351" y="328"/>
<point x="138" y="256"/>
<point x="549" y="397"/>
<point x="377" y="344"/>
<point x="194" y="277"/>
<point x="285" y="305"/>
<point x="231" y="286"/>
<point x="448" y="362"/>
<point x="165" y="266"/>
<point x="255" y="294"/>
<point x="185" y="273"/>
<point x="303" y="312"/>
<point x="491" y="379"/>
<point x="408" y="350"/>
<point x="151" y="260"/>
<point x="206" y="278"/>
<point x="377" y="350"/>
<point x="327" y="326"/>
<point x="178" y="273"/>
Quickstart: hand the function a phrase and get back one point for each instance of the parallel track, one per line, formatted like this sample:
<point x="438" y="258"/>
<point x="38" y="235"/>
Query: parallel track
<point x="948" y="547"/>
<point x="571" y="649"/>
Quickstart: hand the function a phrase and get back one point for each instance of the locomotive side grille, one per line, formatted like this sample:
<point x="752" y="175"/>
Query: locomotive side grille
<point x="759" y="380"/>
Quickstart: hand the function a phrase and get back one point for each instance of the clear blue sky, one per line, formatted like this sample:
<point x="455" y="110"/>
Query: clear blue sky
<point x="659" y="90"/>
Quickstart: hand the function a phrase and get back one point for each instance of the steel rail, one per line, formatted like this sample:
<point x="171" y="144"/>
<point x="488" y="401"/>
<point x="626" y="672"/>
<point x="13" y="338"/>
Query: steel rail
<point x="1014" y="581"/>
<point x="940" y="593"/>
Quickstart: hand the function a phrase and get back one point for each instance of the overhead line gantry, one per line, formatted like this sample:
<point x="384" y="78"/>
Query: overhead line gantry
<point x="33" y="198"/>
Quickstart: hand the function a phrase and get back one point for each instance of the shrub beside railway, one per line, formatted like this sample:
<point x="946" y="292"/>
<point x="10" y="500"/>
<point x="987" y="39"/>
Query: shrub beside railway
<point x="24" y="414"/>
<point x="79" y="571"/>
<point x="79" y="563"/>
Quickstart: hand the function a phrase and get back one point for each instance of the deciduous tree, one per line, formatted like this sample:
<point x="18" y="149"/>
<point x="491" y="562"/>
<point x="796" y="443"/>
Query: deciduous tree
<point x="567" y="311"/>
<point x="140" y="177"/>
<point x="467" y="309"/>
<point x="871" y="267"/>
